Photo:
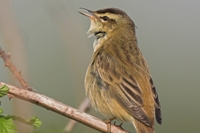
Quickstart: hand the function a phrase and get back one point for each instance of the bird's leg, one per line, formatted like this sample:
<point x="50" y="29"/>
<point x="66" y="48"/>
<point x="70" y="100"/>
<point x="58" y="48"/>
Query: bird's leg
<point x="108" y="122"/>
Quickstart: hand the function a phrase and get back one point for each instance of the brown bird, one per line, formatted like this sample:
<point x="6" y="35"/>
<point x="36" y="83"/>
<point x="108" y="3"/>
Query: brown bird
<point x="118" y="82"/>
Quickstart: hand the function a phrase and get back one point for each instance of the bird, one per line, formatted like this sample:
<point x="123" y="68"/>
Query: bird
<point x="118" y="81"/>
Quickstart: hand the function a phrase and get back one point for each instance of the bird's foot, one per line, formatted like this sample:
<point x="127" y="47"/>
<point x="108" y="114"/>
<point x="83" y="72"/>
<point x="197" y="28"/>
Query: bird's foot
<point x="108" y="122"/>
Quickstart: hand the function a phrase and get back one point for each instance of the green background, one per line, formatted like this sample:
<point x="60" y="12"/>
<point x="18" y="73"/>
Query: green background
<point x="58" y="53"/>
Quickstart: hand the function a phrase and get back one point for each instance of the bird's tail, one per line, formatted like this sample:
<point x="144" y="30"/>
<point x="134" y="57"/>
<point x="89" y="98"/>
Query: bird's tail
<point x="141" y="128"/>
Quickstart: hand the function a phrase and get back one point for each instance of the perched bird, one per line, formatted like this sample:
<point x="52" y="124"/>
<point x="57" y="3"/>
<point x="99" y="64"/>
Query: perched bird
<point x="118" y="82"/>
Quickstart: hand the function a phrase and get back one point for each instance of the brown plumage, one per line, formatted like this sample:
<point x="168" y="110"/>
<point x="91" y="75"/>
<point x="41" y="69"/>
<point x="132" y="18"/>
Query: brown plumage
<point x="118" y="82"/>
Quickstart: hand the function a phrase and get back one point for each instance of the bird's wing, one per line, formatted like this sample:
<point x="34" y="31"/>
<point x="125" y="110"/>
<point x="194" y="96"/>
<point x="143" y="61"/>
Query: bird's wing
<point x="129" y="93"/>
<point x="157" y="103"/>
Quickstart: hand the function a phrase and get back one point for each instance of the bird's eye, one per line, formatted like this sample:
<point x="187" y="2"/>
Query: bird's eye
<point x="105" y="18"/>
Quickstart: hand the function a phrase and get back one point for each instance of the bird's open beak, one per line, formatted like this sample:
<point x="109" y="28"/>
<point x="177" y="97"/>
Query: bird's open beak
<point x="89" y="13"/>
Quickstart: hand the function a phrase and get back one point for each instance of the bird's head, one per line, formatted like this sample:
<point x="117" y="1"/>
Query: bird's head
<point x="107" y="21"/>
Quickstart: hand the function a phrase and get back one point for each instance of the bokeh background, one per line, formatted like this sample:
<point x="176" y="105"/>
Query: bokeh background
<point x="48" y="43"/>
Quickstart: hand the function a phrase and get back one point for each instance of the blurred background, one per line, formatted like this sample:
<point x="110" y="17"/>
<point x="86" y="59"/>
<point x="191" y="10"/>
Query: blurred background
<point x="48" y="43"/>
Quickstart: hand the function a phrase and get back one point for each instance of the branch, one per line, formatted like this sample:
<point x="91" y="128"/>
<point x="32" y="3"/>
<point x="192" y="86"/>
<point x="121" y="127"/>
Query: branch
<point x="84" y="106"/>
<point x="13" y="69"/>
<point x="60" y="108"/>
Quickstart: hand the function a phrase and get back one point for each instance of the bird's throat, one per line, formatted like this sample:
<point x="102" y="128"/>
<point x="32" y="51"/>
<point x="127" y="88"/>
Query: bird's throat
<point x="99" y="34"/>
<point x="100" y="38"/>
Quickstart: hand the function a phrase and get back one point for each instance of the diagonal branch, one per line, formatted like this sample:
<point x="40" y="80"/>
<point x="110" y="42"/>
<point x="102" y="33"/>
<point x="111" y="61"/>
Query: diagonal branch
<point x="84" y="106"/>
<point x="13" y="69"/>
<point x="60" y="108"/>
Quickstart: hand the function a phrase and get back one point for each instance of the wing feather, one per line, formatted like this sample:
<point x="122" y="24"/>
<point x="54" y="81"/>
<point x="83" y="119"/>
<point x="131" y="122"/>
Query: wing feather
<point x="157" y="103"/>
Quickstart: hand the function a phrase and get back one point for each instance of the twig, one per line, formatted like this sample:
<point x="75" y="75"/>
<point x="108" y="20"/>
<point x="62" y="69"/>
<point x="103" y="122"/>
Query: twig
<point x="84" y="106"/>
<point x="60" y="108"/>
<point x="17" y="75"/>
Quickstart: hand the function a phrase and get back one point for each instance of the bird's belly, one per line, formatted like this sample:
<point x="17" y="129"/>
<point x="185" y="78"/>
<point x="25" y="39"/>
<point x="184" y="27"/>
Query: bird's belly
<point x="103" y="101"/>
<point x="98" y="97"/>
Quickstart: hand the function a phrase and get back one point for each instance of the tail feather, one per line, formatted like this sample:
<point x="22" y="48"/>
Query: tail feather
<point x="141" y="128"/>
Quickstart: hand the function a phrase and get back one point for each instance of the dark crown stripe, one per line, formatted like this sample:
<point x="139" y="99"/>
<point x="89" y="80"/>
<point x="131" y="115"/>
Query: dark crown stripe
<point x="111" y="10"/>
